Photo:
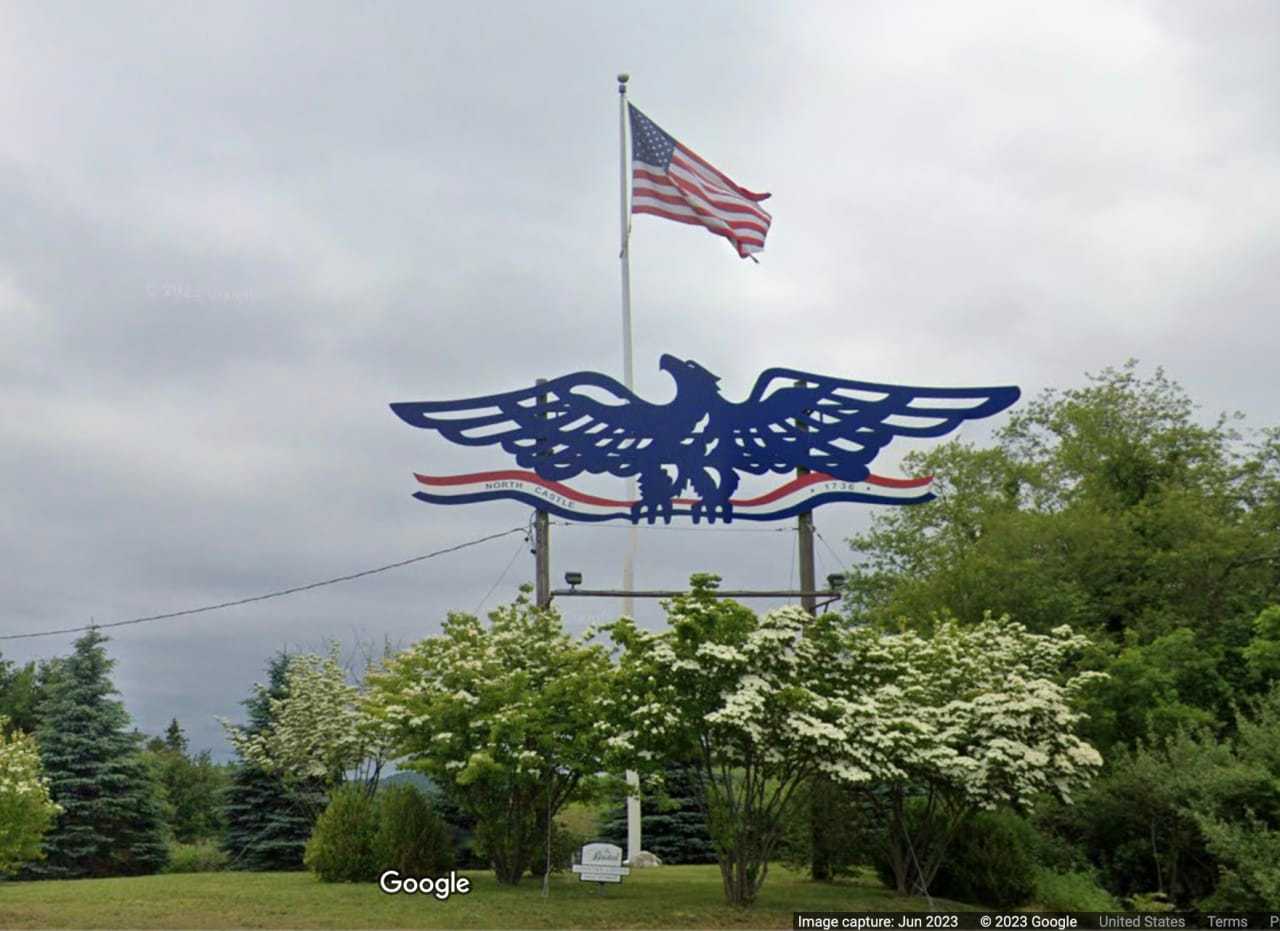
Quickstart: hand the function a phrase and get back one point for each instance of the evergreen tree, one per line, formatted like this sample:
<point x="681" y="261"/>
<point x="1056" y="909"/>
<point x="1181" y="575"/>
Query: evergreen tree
<point x="19" y="696"/>
<point x="192" y="786"/>
<point x="674" y="828"/>
<point x="111" y="822"/>
<point x="175" y="739"/>
<point x="268" y="822"/>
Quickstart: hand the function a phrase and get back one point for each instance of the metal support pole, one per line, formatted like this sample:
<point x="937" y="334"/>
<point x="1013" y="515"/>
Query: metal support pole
<point x="791" y="594"/>
<point x="633" y="815"/>
<point x="542" y="536"/>
<point x="628" y="379"/>
<point x="628" y="363"/>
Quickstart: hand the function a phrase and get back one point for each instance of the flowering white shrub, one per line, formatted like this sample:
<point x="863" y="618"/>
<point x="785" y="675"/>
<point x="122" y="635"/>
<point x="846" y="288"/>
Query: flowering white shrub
<point x="748" y="699"/>
<point x="26" y="810"/>
<point x="319" y="731"/>
<point x="508" y="716"/>
<point x="966" y="718"/>
<point x="982" y="710"/>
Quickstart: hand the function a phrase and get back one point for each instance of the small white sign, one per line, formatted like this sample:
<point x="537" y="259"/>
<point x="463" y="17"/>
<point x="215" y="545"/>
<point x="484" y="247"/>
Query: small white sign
<point x="598" y="876"/>
<point x="601" y="863"/>
<point x="602" y="855"/>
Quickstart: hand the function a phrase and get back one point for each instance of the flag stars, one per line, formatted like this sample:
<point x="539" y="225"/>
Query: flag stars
<point x="649" y="144"/>
<point x="671" y="181"/>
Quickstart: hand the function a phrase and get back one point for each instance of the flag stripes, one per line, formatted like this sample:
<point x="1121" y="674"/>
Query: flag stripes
<point x="671" y="181"/>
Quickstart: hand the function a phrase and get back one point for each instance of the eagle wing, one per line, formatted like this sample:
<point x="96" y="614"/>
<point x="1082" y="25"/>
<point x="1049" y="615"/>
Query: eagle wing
<point x="796" y="419"/>
<point x="557" y="428"/>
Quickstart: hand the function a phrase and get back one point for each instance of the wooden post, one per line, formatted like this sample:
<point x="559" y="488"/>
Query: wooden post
<point x="804" y="533"/>
<point x="804" y="540"/>
<point x="821" y="789"/>
<point x="542" y="534"/>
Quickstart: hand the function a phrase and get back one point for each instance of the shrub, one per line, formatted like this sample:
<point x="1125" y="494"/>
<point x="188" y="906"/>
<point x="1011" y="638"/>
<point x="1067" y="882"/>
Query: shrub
<point x="1149" y="902"/>
<point x="26" y="811"/>
<point x="852" y="831"/>
<point x="200" y="857"/>
<point x="564" y="844"/>
<point x="462" y="832"/>
<point x="991" y="860"/>
<point x="341" y="848"/>
<point x="411" y="837"/>
<point x="672" y="821"/>
<point x="1076" y="891"/>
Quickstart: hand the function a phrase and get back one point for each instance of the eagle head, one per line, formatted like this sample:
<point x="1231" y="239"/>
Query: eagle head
<point x="686" y="372"/>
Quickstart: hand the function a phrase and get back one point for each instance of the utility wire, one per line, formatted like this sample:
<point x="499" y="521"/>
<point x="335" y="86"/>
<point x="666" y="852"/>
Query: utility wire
<point x="494" y="587"/>
<point x="279" y="594"/>
<point x="834" y="555"/>
<point x="791" y="574"/>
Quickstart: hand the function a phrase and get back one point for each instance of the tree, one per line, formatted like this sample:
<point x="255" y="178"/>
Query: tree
<point x="504" y="717"/>
<point x="967" y="718"/>
<point x="1194" y="816"/>
<point x="26" y="810"/>
<point x="1263" y="652"/>
<point x="19" y="695"/>
<point x="1109" y="508"/>
<point x="317" y="732"/>
<point x="673" y="823"/>
<point x="268" y="820"/>
<point x="749" y="698"/>
<point x="175" y="740"/>
<point x="111" y="822"/>
<point x="191" y="786"/>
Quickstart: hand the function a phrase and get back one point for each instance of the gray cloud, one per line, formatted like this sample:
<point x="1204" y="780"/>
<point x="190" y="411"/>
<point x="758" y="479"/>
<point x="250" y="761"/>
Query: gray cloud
<point x="229" y="238"/>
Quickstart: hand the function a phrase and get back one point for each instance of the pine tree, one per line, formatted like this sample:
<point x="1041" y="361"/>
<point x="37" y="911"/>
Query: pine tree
<point x="175" y="739"/>
<point x="111" y="822"/>
<point x="192" y="786"/>
<point x="268" y="822"/>
<point x="675" y="830"/>
<point x="19" y="696"/>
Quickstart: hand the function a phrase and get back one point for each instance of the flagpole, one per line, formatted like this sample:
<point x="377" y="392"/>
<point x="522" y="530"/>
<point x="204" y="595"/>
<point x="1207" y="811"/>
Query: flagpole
<point x="628" y="374"/>
<point x="628" y="366"/>
<point x="628" y="379"/>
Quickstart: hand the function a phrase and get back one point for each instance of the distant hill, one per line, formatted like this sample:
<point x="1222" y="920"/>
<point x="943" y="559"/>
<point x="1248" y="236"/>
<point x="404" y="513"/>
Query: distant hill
<point x="408" y="777"/>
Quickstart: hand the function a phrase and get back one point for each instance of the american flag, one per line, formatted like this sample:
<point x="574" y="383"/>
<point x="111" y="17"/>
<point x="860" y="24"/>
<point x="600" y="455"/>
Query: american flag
<point x="670" y="180"/>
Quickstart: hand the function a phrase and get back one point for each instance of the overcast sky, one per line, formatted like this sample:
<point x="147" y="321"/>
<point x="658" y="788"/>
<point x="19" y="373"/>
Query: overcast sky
<point x="230" y="235"/>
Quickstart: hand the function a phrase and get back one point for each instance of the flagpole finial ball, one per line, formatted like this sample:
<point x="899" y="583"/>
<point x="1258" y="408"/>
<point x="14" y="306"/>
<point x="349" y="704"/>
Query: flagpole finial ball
<point x="623" y="78"/>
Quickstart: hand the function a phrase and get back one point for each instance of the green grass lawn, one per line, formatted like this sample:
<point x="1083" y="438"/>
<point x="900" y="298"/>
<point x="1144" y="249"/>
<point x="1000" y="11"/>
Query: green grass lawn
<point x="665" y="897"/>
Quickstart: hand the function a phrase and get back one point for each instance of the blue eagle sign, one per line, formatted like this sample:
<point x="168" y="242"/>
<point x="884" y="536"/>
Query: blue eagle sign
<point x="697" y="445"/>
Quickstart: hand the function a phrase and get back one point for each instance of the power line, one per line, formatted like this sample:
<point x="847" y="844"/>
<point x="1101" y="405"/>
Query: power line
<point x="279" y="594"/>
<point x="834" y="555"/>
<point x="494" y="587"/>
